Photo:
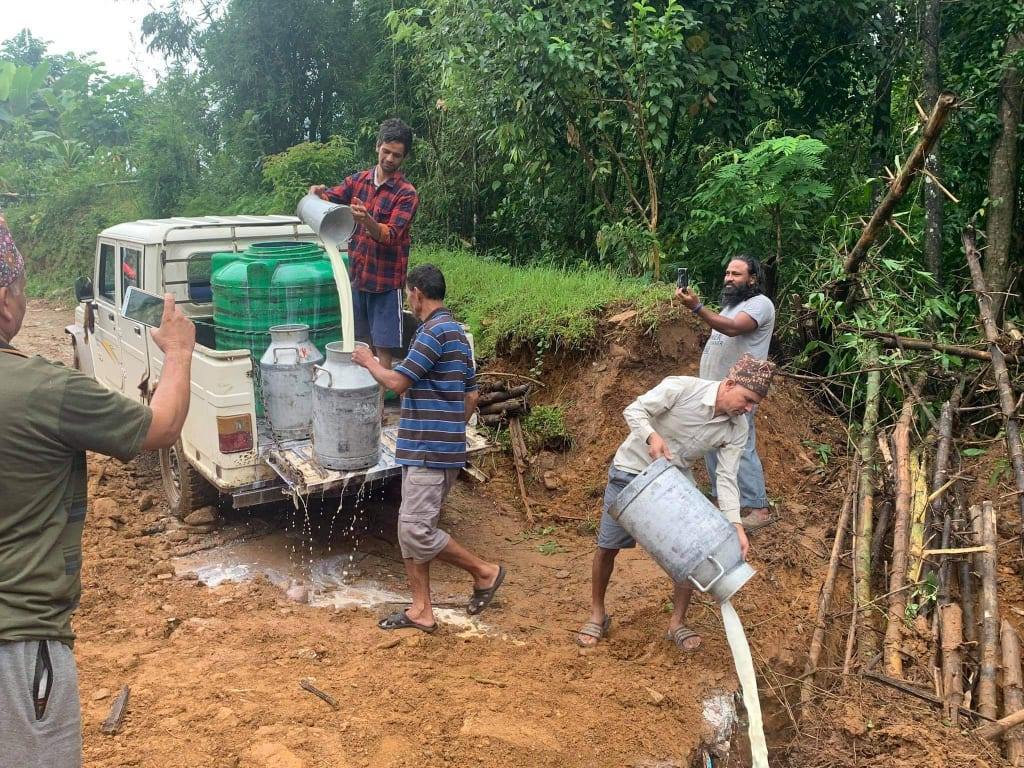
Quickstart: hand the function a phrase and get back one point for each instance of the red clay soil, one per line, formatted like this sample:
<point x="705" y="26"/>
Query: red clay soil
<point x="214" y="672"/>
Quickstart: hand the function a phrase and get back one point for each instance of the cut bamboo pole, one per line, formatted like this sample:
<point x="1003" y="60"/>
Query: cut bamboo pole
<point x="867" y="645"/>
<point x="993" y="731"/>
<point x="1007" y="402"/>
<point x="940" y="482"/>
<point x="901" y="530"/>
<point x="520" y="461"/>
<point x="943" y="106"/>
<point x="894" y="341"/>
<point x="825" y="598"/>
<point x="918" y="511"/>
<point x="951" y="631"/>
<point x="882" y="526"/>
<point x="1013" y="691"/>
<point x="985" y="564"/>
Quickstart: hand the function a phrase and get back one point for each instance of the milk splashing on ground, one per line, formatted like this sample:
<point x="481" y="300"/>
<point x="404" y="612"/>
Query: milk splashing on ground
<point x="348" y="330"/>
<point x="748" y="682"/>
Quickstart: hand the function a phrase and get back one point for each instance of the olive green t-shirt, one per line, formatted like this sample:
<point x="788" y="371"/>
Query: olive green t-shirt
<point x="49" y="417"/>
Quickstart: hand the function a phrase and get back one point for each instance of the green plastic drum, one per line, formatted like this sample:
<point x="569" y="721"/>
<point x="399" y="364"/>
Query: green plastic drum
<point x="273" y="284"/>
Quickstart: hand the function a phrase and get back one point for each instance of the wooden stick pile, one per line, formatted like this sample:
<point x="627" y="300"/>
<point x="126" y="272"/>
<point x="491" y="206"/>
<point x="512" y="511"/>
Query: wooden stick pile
<point x="500" y="401"/>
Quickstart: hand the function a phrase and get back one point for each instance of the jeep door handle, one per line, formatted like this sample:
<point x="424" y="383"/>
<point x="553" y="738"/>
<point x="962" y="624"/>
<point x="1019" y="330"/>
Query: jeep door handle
<point x="110" y="316"/>
<point x="138" y="330"/>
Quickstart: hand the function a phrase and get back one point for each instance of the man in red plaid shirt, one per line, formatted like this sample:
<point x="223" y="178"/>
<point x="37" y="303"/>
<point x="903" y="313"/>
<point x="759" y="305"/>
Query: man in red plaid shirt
<point x="383" y="204"/>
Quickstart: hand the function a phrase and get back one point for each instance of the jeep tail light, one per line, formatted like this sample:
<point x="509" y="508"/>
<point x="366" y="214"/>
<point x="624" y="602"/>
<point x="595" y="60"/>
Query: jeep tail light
<point x="234" y="433"/>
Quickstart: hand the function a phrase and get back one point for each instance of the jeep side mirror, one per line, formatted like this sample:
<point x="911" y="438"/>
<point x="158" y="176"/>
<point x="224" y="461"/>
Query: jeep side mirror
<point x="83" y="289"/>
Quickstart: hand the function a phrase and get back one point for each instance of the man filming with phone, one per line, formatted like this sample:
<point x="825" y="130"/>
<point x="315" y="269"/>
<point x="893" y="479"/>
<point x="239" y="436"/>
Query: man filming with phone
<point x="50" y="417"/>
<point x="744" y="326"/>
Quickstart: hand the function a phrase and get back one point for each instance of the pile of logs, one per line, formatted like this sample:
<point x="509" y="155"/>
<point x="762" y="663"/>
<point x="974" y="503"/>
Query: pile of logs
<point x="923" y="561"/>
<point x="502" y="404"/>
<point x="923" y="566"/>
<point x="500" y="401"/>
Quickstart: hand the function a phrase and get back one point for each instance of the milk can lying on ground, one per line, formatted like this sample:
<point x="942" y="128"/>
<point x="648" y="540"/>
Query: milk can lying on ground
<point x="347" y="407"/>
<point x="286" y="370"/>
<point x="683" y="531"/>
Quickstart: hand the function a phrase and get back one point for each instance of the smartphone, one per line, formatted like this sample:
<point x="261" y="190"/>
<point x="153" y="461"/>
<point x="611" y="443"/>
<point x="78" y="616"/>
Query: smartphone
<point x="143" y="307"/>
<point x="683" y="278"/>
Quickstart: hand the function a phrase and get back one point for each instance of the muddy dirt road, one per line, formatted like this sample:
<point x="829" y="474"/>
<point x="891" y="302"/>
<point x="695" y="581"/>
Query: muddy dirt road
<point x="215" y="671"/>
<point x="196" y="621"/>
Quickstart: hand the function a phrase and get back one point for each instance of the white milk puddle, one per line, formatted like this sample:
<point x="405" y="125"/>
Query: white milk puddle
<point x="331" y="578"/>
<point x="748" y="682"/>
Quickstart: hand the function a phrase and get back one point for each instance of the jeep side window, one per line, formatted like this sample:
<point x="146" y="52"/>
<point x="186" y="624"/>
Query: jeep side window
<point x="108" y="273"/>
<point x="130" y="261"/>
<point x="199" y="268"/>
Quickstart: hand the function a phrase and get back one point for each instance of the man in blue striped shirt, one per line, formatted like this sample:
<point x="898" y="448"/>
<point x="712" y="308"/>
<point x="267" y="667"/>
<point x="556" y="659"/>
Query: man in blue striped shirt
<point x="439" y="394"/>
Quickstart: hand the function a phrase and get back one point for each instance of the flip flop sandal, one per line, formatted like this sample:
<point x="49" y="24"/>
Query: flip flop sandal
<point x="594" y="630"/>
<point x="680" y="635"/>
<point x="401" y="620"/>
<point x="482" y="597"/>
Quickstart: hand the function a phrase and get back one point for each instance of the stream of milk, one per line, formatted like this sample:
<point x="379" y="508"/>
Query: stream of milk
<point x="748" y="682"/>
<point x="348" y="330"/>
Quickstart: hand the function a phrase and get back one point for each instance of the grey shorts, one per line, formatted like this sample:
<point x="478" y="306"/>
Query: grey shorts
<point x="54" y="739"/>
<point x="611" y="535"/>
<point x="424" y="490"/>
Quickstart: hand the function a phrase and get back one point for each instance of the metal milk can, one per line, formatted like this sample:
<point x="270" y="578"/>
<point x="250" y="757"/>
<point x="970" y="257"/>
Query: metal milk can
<point x="683" y="531"/>
<point x="286" y="370"/>
<point x="347" y="409"/>
<point x="332" y="222"/>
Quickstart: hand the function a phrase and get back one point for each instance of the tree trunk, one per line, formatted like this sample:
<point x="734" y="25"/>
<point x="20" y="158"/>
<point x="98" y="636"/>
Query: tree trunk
<point x="900" y="536"/>
<point x="1007" y="403"/>
<point x="932" y="80"/>
<point x="1002" y="179"/>
<point x="867" y="642"/>
<point x="984" y="519"/>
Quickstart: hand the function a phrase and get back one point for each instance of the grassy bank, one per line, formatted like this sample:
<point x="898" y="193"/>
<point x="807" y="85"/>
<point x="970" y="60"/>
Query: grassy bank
<point x="541" y="306"/>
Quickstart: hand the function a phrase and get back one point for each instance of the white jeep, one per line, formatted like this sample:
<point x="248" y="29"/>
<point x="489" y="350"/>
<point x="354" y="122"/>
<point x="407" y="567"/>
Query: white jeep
<point x="224" y="449"/>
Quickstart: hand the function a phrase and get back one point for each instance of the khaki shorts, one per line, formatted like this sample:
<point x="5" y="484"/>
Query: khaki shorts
<point x="424" y="490"/>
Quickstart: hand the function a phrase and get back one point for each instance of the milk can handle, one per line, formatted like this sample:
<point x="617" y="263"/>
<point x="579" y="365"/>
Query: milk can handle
<point x="710" y="584"/>
<point x="316" y="372"/>
<point x="275" y="350"/>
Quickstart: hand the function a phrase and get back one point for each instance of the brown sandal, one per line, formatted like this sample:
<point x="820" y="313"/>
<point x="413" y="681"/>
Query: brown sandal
<point x="594" y="630"/>
<point x="680" y="635"/>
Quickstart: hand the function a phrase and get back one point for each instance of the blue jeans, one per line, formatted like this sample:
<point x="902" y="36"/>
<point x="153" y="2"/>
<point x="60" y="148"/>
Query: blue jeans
<point x="751" y="474"/>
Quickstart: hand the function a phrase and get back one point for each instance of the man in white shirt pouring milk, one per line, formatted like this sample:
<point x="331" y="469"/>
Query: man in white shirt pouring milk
<point x="681" y="420"/>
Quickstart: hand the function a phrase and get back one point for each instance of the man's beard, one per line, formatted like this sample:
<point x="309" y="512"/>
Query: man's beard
<point x="736" y="294"/>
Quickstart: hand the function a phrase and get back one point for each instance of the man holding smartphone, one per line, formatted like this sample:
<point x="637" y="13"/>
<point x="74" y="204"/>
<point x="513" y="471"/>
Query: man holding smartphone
<point x="50" y="417"/>
<point x="744" y="326"/>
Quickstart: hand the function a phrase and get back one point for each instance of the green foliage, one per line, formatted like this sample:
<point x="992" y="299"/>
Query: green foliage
<point x="19" y="85"/>
<point x="291" y="172"/>
<point x="507" y="307"/>
<point x="761" y="201"/>
<point x="545" y="429"/>
<point x="551" y="547"/>
<point x="57" y="234"/>
<point x="924" y="593"/>
<point x="822" y="450"/>
<point x="563" y="137"/>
